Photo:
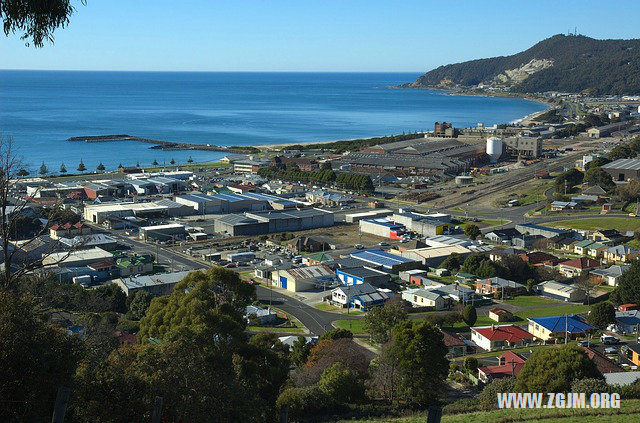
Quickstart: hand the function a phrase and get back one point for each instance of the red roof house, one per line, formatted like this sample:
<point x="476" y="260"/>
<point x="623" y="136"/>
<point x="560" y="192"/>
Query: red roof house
<point x="455" y="343"/>
<point x="509" y="365"/>
<point x="576" y="266"/>
<point x="494" y="337"/>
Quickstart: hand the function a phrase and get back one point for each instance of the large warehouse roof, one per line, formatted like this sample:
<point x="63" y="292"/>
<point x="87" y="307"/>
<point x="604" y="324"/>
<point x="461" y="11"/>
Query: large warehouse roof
<point x="627" y="164"/>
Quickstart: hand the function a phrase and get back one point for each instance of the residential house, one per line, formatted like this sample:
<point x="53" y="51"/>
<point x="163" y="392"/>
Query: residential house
<point x="563" y="205"/>
<point x="499" y="253"/>
<point x="582" y="247"/>
<point x="307" y="244"/>
<point x="502" y="236"/>
<point x="504" y="287"/>
<point x="160" y="284"/>
<point x="611" y="275"/>
<point x="628" y="321"/>
<point x="455" y="343"/>
<point x="539" y="258"/>
<point x="420" y="297"/>
<point x="621" y="254"/>
<point x="259" y="315"/>
<point x="509" y="365"/>
<point x="607" y="236"/>
<point x="362" y="296"/>
<point x="554" y="328"/>
<point x="135" y="265"/>
<point x="596" y="250"/>
<point x="603" y="364"/>
<point x="406" y="275"/>
<point x="500" y="315"/>
<point x="562" y="242"/>
<point x="526" y="240"/>
<point x="494" y="337"/>
<point x="68" y="230"/>
<point x="302" y="278"/>
<point x="576" y="267"/>
<point x="560" y="291"/>
<point x="632" y="353"/>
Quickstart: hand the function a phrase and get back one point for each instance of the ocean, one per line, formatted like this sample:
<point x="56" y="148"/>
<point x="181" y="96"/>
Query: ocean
<point x="41" y="109"/>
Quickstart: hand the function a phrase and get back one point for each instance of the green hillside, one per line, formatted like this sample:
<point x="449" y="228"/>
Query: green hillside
<point x="563" y="63"/>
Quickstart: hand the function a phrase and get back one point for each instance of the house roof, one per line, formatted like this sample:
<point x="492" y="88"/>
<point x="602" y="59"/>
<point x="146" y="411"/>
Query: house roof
<point x="572" y="324"/>
<point x="621" y="378"/>
<point x="380" y="257"/>
<point x="510" y="333"/>
<point x="452" y="339"/>
<point x="594" y="190"/>
<point x="513" y="364"/>
<point x="581" y="263"/>
<point x="603" y="364"/>
<point x="614" y="271"/>
<point x="498" y="310"/>
<point x="621" y="250"/>
<point x="501" y="283"/>
<point x="319" y="271"/>
<point x="537" y="257"/>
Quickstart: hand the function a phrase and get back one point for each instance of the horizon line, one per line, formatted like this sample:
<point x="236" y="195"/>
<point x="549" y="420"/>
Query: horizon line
<point x="196" y="71"/>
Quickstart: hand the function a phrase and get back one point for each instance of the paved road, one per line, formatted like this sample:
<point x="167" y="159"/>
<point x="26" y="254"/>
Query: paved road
<point x="317" y="321"/>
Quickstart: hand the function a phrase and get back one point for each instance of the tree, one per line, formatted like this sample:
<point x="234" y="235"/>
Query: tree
<point x="100" y="167"/>
<point x="567" y="180"/>
<point x="36" y="21"/>
<point x="43" y="169"/>
<point x="189" y="160"/>
<point x="472" y="262"/>
<point x="300" y="351"/>
<point x="36" y="359"/>
<point x="155" y="163"/>
<point x="471" y="364"/>
<point x="325" y="166"/>
<point x="172" y="162"/>
<point x="137" y="164"/>
<point x="139" y="304"/>
<point x="472" y="231"/>
<point x="81" y="166"/>
<point x="628" y="289"/>
<point x="487" y="397"/>
<point x="453" y="262"/>
<point x="341" y="384"/>
<point x="530" y="284"/>
<point x="63" y="168"/>
<point x="337" y="333"/>
<point x="469" y="315"/>
<point x="327" y="352"/>
<point x="22" y="173"/>
<point x="207" y="302"/>
<point x="555" y="369"/>
<point x="602" y="314"/>
<point x="586" y="285"/>
<point x="421" y="359"/>
<point x="379" y="321"/>
<point x="595" y="175"/>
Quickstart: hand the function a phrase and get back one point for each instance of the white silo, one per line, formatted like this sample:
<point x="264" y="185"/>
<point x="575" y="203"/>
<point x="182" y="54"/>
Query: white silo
<point x="494" y="148"/>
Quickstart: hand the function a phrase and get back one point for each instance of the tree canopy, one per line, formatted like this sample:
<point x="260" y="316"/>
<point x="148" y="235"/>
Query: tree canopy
<point x="555" y="369"/>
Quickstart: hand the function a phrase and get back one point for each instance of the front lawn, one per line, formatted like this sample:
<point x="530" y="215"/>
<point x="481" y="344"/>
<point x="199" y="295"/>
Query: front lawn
<point x="599" y="223"/>
<point x="529" y="300"/>
<point x="553" y="311"/>
<point x="355" y="326"/>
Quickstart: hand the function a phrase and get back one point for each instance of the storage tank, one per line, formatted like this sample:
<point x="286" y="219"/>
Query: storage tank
<point x="494" y="148"/>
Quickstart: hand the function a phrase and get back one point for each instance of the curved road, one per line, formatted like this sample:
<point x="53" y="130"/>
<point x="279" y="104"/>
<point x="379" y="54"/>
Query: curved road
<point x="317" y="321"/>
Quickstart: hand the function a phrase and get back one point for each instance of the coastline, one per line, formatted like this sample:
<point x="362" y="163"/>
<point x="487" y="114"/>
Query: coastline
<point x="525" y="120"/>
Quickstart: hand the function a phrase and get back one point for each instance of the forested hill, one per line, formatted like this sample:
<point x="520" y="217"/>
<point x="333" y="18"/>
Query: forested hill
<point x="564" y="63"/>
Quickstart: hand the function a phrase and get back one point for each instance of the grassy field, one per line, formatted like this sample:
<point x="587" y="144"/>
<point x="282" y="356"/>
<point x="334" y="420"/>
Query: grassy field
<point x="355" y="326"/>
<point x="533" y="192"/>
<point x="529" y="300"/>
<point x="593" y="223"/>
<point x="325" y="307"/>
<point x="628" y="412"/>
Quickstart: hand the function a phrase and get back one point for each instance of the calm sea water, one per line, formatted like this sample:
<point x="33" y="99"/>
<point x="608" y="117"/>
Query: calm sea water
<point x="40" y="110"/>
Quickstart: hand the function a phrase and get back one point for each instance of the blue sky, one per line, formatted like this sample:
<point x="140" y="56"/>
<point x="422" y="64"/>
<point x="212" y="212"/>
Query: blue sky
<point x="309" y="35"/>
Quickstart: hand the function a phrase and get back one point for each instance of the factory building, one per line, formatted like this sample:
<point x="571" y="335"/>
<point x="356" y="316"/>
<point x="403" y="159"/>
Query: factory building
<point x="383" y="227"/>
<point x="623" y="169"/>
<point x="98" y="213"/>
<point x="526" y="147"/>
<point x="385" y="261"/>
<point x="167" y="232"/>
<point x="257" y="223"/>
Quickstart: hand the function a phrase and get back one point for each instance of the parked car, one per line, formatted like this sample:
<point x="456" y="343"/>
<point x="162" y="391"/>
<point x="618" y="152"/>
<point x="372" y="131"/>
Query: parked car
<point x="585" y="343"/>
<point x="358" y="246"/>
<point x="611" y="350"/>
<point x="383" y="244"/>
<point x="609" y="340"/>
<point x="230" y="265"/>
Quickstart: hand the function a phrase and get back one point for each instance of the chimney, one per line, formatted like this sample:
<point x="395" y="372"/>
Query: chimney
<point x="493" y="327"/>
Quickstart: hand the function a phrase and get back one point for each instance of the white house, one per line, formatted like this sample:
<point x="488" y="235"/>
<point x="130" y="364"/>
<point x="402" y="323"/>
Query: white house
<point x="425" y="298"/>
<point x="362" y="296"/>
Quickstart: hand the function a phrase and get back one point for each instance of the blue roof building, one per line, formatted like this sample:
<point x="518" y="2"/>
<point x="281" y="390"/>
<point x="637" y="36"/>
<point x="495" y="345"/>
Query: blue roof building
<point x="385" y="260"/>
<point x="556" y="327"/>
